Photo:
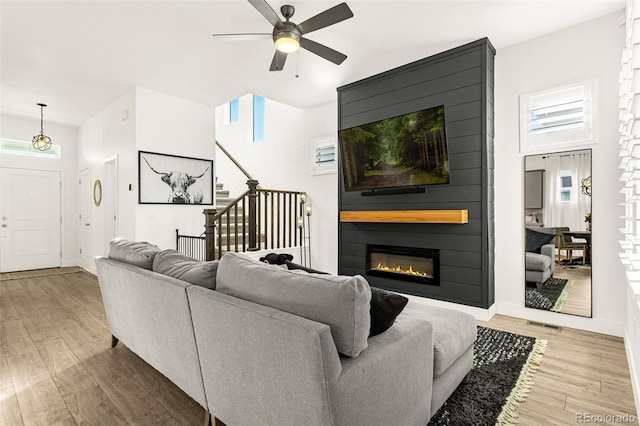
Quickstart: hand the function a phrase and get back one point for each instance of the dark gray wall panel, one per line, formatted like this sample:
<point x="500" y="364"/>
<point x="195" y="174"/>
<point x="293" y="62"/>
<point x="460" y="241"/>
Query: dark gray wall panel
<point x="462" y="80"/>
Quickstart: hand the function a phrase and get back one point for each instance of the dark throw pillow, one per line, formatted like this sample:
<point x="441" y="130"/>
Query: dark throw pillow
<point x="385" y="305"/>
<point x="292" y="266"/>
<point x="537" y="238"/>
<point x="276" y="258"/>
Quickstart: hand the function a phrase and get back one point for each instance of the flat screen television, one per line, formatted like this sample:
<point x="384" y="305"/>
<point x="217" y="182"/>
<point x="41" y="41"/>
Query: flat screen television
<point x="405" y="151"/>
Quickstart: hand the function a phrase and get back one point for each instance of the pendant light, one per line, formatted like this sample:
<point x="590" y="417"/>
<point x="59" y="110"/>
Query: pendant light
<point x="41" y="142"/>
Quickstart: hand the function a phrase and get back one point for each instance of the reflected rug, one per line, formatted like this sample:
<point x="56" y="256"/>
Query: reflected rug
<point x="550" y="297"/>
<point x="503" y="368"/>
<point x="6" y="276"/>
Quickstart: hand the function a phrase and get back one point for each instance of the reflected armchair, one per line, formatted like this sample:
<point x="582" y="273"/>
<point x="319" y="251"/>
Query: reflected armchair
<point x="540" y="255"/>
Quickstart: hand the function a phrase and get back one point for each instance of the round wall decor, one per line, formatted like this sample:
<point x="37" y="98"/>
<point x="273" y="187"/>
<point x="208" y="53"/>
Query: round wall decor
<point x="97" y="192"/>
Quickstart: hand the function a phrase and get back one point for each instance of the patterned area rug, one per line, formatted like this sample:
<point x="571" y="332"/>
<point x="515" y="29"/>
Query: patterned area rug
<point x="503" y="368"/>
<point x="550" y="297"/>
<point x="6" y="276"/>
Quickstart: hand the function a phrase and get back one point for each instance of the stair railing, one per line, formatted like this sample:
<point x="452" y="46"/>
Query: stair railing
<point x="262" y="219"/>
<point x="191" y="246"/>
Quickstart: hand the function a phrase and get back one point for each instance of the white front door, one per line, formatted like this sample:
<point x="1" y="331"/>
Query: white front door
<point x="29" y="219"/>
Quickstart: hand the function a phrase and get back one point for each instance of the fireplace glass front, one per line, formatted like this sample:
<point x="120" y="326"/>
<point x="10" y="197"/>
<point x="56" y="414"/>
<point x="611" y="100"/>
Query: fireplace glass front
<point x="404" y="263"/>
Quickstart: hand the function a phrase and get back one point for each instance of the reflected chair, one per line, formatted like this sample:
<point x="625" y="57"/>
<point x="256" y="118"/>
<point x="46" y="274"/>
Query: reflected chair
<point x="565" y="242"/>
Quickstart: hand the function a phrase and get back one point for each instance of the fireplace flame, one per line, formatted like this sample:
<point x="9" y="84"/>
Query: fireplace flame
<point x="400" y="270"/>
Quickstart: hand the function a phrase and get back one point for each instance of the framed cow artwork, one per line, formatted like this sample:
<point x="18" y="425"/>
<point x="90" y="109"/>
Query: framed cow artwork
<point x="172" y="179"/>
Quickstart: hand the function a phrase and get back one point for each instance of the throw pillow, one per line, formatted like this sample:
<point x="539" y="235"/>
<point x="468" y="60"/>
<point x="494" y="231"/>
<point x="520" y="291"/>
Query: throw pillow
<point x="185" y="268"/>
<point x="292" y="266"/>
<point x="137" y="253"/>
<point x="536" y="238"/>
<point x="276" y="258"/>
<point x="385" y="305"/>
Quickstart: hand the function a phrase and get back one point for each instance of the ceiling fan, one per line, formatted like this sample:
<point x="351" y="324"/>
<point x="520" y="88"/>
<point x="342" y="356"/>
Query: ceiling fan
<point x="288" y="36"/>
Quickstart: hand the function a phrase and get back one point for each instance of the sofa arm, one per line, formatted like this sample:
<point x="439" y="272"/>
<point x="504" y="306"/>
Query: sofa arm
<point x="550" y="250"/>
<point x="261" y="365"/>
<point x="391" y="381"/>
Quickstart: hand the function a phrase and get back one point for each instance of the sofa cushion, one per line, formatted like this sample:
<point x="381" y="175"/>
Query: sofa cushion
<point x="384" y="308"/>
<point x="338" y="301"/>
<point x="537" y="237"/>
<point x="454" y="332"/>
<point x="185" y="268"/>
<point x="537" y="262"/>
<point x="137" y="253"/>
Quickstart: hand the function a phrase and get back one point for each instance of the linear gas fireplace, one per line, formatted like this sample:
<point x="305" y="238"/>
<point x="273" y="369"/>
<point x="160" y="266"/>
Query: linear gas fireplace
<point x="420" y="265"/>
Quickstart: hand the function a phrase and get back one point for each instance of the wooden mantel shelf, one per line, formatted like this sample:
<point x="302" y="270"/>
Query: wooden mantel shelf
<point x="406" y="216"/>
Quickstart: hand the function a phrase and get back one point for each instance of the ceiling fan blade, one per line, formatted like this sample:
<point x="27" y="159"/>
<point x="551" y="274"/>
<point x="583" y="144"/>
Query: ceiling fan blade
<point x="263" y="7"/>
<point x="328" y="17"/>
<point x="323" y="51"/>
<point x="279" y="58"/>
<point x="243" y="37"/>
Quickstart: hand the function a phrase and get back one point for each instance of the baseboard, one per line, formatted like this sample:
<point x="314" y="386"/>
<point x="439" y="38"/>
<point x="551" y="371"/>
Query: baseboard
<point x="594" y="325"/>
<point x="480" y="314"/>
<point x="633" y="368"/>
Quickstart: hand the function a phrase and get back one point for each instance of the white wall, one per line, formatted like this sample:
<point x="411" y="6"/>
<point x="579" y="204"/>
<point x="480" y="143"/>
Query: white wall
<point x="170" y="125"/>
<point x="110" y="133"/>
<point x="583" y="52"/>
<point x="150" y="121"/>
<point x="23" y="129"/>
<point x="283" y="161"/>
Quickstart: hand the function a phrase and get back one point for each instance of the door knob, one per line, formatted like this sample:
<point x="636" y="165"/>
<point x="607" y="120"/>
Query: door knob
<point x="4" y="225"/>
<point x="87" y="224"/>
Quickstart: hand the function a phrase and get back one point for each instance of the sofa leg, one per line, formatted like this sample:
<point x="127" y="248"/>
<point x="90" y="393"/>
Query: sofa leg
<point x="539" y="286"/>
<point x="467" y="378"/>
<point x="114" y="341"/>
<point x="209" y="420"/>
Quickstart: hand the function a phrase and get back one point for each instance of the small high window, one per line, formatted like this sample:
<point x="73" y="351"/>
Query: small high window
<point x="323" y="156"/>
<point x="258" y="118"/>
<point x="559" y="117"/>
<point x="15" y="147"/>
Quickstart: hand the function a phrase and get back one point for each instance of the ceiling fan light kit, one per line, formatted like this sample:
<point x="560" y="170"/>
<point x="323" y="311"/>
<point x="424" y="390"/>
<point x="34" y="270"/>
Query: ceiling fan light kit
<point x="287" y="43"/>
<point x="288" y="37"/>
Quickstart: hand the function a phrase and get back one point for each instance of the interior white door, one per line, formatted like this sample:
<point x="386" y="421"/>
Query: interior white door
<point x="85" y="217"/>
<point x="30" y="219"/>
<point x="110" y="199"/>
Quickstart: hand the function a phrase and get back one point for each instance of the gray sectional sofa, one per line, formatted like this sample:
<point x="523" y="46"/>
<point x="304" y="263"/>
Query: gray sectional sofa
<point x="258" y="344"/>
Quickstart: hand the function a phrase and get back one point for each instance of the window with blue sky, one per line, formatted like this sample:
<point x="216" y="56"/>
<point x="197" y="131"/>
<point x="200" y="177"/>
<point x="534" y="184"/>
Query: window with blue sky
<point x="258" y="118"/>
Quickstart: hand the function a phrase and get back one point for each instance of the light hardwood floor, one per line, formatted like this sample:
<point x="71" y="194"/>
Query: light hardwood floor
<point x="57" y="367"/>
<point x="579" y="300"/>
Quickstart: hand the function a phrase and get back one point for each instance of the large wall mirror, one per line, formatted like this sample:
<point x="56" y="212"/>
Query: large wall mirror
<point x="558" y="232"/>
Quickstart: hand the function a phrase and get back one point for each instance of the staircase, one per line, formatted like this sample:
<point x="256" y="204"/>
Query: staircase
<point x="255" y="220"/>
<point x="229" y="234"/>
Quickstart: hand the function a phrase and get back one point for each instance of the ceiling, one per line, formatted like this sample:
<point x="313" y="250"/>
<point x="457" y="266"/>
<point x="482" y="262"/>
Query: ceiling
<point x="79" y="56"/>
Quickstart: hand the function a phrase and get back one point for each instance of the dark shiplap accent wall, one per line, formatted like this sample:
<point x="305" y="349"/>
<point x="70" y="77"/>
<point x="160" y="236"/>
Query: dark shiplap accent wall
<point x="461" y="79"/>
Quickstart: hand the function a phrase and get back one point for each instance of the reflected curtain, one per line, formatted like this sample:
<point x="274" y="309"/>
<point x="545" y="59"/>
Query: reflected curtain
<point x="566" y="213"/>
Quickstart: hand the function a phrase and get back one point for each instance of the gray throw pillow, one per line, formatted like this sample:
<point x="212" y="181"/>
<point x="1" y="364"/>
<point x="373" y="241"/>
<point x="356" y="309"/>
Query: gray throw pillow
<point x="138" y="253"/>
<point x="185" y="268"/>
<point x="341" y="302"/>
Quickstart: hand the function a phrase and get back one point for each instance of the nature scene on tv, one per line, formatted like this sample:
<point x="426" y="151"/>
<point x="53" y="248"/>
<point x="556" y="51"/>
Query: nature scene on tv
<point x="402" y="151"/>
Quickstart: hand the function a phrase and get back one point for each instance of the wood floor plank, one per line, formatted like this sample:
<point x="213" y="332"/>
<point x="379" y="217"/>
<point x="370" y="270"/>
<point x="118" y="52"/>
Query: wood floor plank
<point x="38" y="397"/>
<point x="55" y="347"/>
<point x="9" y="409"/>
